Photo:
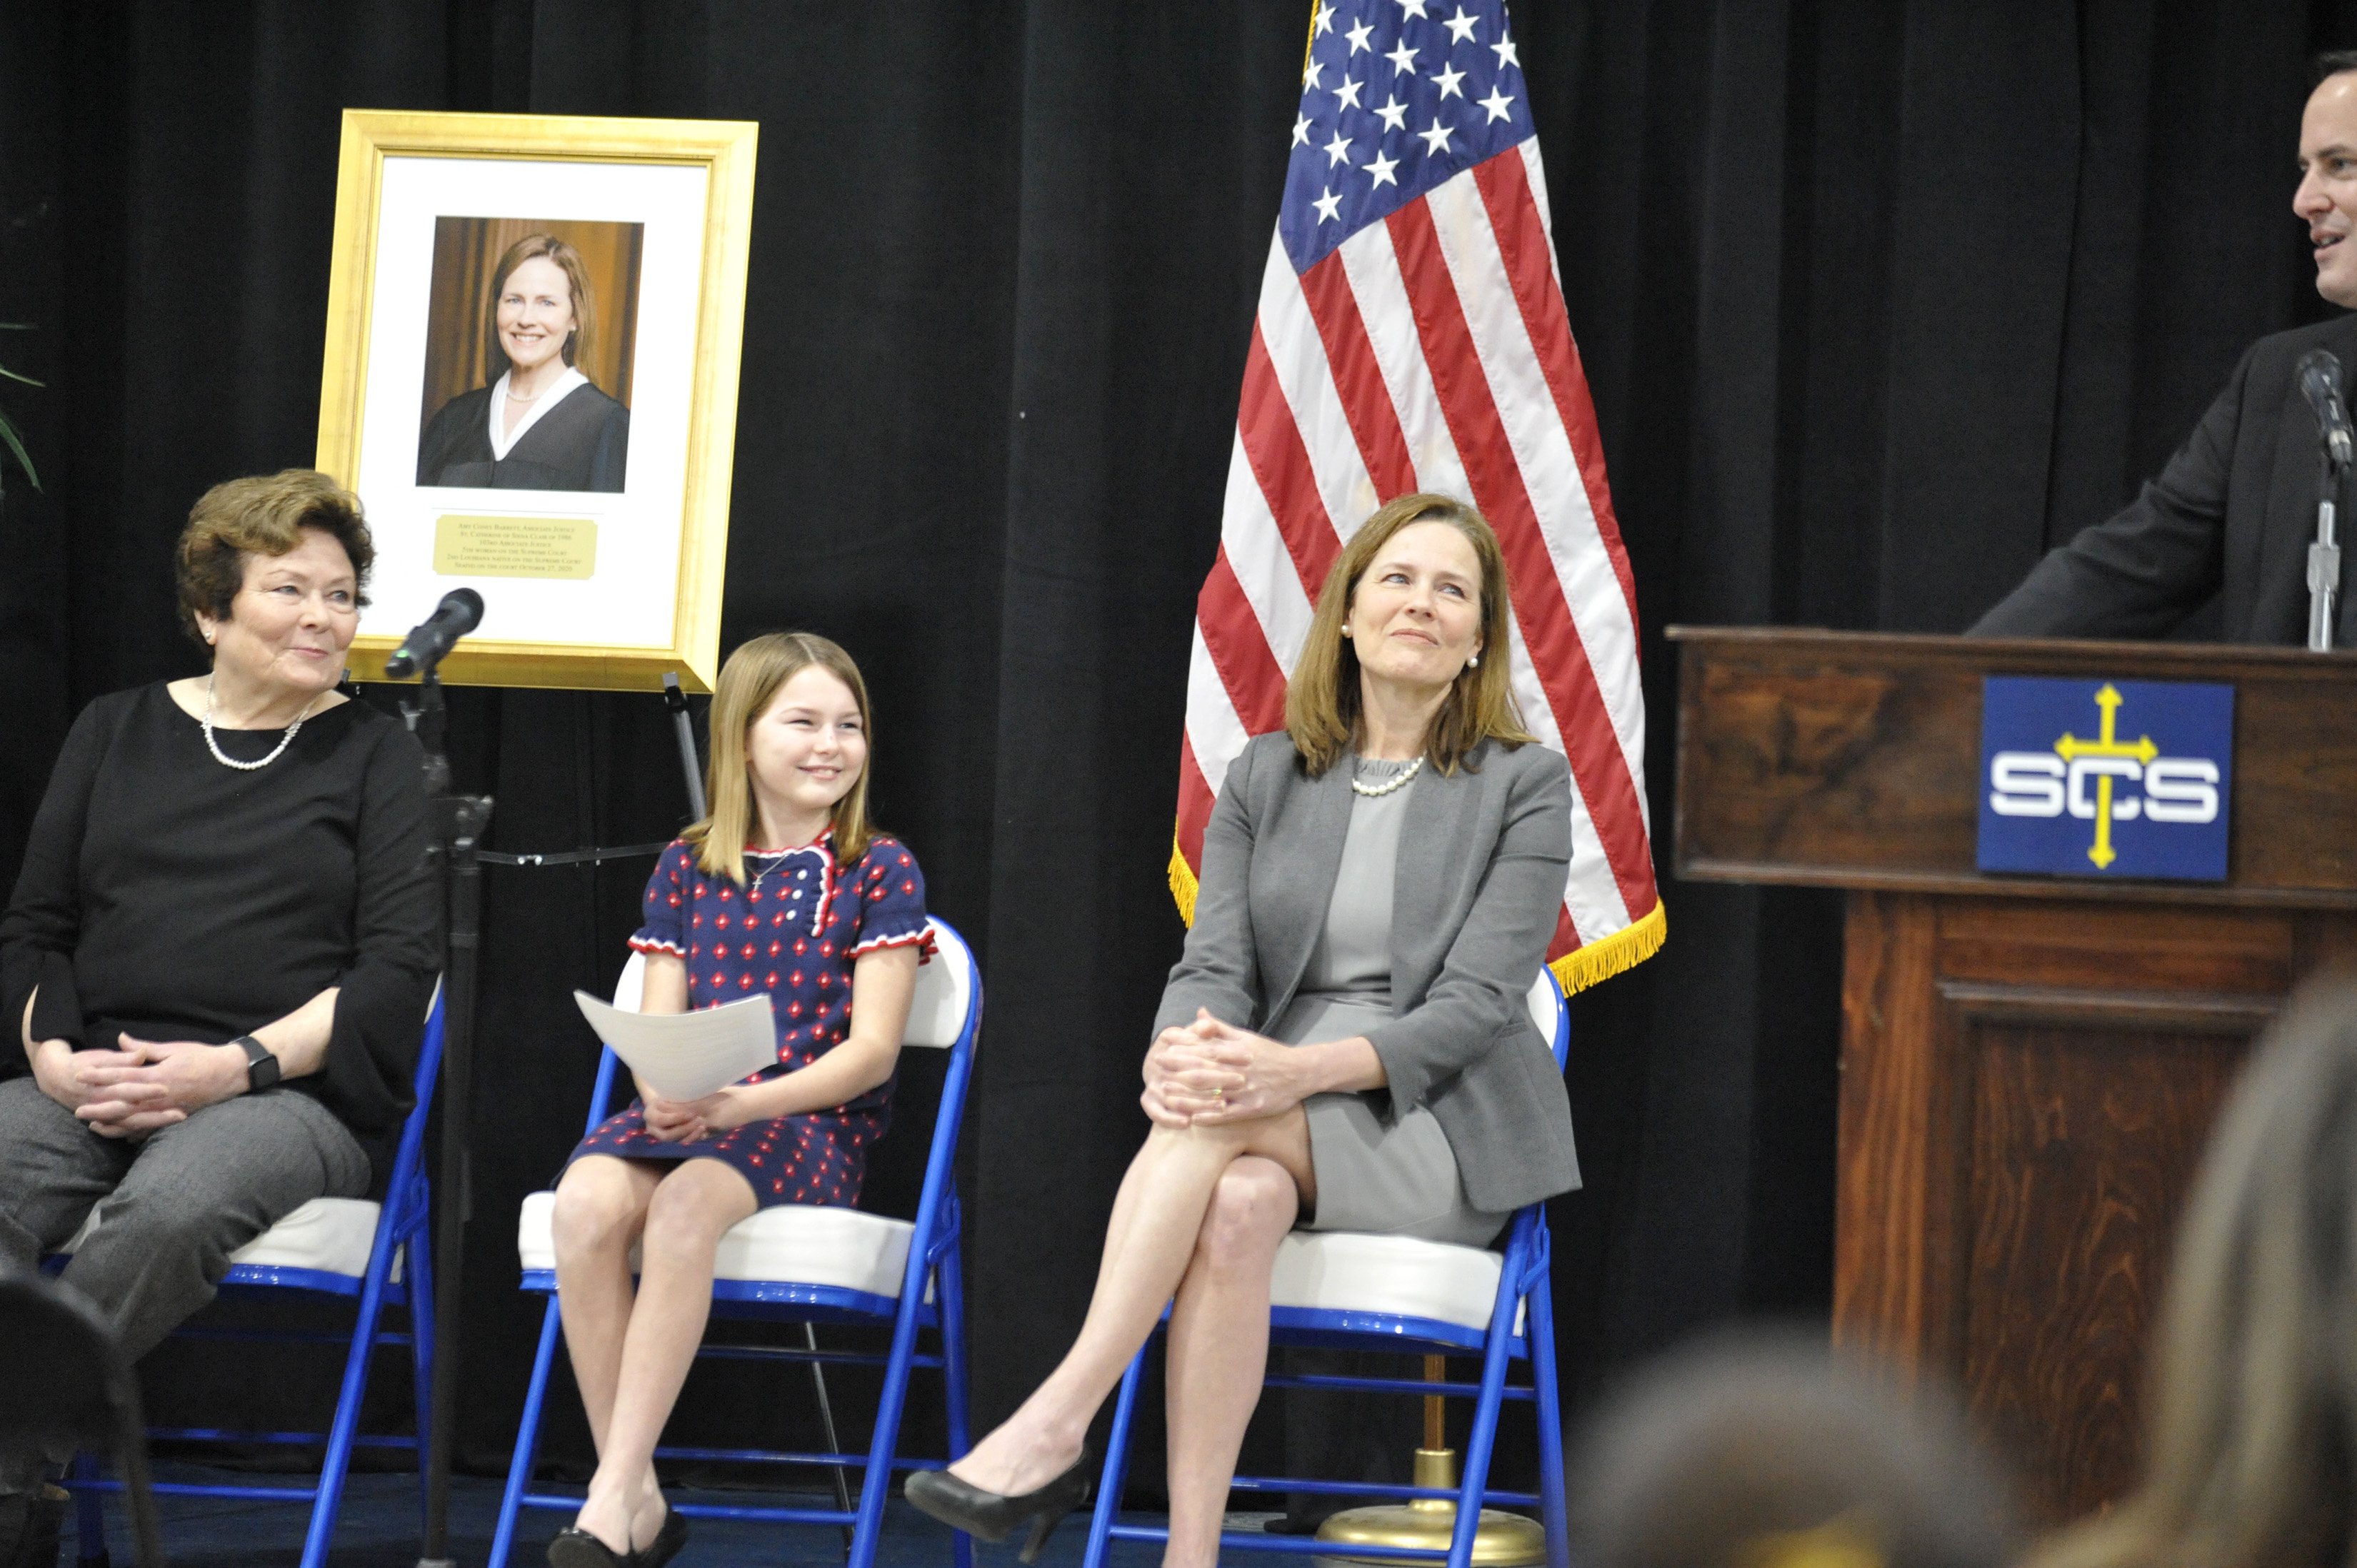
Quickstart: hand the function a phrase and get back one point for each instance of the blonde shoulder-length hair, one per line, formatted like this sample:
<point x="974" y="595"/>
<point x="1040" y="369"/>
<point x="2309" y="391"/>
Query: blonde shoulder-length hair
<point x="1321" y="699"/>
<point x="748" y="682"/>
<point x="2252" y="1384"/>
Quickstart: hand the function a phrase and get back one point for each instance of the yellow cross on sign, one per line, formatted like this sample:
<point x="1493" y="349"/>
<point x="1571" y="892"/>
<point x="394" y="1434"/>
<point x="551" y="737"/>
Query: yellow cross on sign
<point x="2070" y="747"/>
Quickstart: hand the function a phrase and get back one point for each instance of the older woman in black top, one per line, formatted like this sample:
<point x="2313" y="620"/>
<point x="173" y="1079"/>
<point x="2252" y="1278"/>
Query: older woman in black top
<point x="221" y="948"/>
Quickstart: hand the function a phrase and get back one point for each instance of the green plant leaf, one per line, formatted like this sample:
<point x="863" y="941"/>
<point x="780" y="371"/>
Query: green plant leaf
<point x="15" y="443"/>
<point x="9" y="435"/>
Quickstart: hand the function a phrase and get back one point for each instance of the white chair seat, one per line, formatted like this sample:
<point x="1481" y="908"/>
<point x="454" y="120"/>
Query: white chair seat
<point x="329" y="1235"/>
<point x="1346" y="1271"/>
<point x="793" y="1244"/>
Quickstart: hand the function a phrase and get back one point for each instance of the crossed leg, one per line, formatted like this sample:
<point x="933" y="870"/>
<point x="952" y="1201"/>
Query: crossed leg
<point x="632" y="1350"/>
<point x="1199" y="1215"/>
<point x="1219" y="1349"/>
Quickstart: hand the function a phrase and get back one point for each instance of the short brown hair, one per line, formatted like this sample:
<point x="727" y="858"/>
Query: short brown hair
<point x="1759" y="1446"/>
<point x="576" y="278"/>
<point x="748" y="683"/>
<point x="265" y="514"/>
<point x="1321" y="699"/>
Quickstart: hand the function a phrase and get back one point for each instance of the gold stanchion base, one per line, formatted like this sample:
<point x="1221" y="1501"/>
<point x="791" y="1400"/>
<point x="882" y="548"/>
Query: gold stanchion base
<point x="1500" y="1541"/>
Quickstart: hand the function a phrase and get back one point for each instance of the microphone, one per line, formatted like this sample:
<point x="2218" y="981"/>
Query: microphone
<point x="2320" y="379"/>
<point x="460" y="611"/>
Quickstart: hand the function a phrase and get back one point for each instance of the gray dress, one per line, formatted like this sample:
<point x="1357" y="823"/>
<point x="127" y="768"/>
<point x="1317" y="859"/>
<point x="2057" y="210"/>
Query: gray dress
<point x="1394" y="1175"/>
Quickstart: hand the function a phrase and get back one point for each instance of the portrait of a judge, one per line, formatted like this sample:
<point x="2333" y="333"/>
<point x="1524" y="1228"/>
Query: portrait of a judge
<point x="540" y="424"/>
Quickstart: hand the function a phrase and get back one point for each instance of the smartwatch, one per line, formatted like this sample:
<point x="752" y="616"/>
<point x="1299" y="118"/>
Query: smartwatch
<point x="261" y="1067"/>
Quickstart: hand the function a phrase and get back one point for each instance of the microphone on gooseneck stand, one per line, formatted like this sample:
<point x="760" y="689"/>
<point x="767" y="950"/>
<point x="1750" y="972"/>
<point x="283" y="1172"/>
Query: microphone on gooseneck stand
<point x="460" y="611"/>
<point x="459" y="822"/>
<point x="2320" y="382"/>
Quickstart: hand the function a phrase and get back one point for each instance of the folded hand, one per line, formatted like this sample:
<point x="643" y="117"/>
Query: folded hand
<point x="92" y="1085"/>
<point x="1264" y="1076"/>
<point x="693" y="1121"/>
<point x="146" y="1085"/>
<point x="1211" y="1072"/>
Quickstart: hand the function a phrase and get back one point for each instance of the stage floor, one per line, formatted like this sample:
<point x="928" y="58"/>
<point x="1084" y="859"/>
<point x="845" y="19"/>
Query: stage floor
<point x="379" y="1529"/>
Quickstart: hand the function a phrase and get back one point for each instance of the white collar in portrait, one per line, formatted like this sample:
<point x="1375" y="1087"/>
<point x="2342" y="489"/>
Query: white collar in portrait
<point x="503" y="442"/>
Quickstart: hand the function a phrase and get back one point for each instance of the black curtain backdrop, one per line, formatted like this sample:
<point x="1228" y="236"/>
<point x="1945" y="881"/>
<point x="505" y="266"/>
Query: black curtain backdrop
<point x="1878" y="301"/>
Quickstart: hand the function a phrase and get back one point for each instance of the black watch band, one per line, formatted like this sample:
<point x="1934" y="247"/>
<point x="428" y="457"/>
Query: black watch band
<point x="261" y="1067"/>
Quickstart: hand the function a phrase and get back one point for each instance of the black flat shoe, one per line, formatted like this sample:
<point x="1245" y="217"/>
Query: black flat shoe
<point x="29" y="1526"/>
<point x="666" y="1543"/>
<point x="577" y="1548"/>
<point x="992" y="1515"/>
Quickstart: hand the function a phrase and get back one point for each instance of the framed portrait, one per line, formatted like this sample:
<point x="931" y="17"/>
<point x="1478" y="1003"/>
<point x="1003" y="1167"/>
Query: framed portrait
<point x="533" y="326"/>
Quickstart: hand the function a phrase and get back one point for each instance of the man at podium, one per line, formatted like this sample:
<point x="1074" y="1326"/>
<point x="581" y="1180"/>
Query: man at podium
<point x="2235" y="510"/>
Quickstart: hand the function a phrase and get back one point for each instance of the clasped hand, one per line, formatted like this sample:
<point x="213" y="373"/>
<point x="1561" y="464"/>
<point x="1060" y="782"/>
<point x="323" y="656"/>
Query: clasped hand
<point x="1208" y="1072"/>
<point x="693" y="1121"/>
<point x="141" y="1088"/>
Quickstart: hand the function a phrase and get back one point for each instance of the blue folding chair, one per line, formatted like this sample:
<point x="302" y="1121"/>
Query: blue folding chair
<point x="375" y="1253"/>
<point x="811" y="1264"/>
<point x="1341" y="1289"/>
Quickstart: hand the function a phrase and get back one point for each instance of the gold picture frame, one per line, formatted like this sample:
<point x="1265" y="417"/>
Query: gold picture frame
<point x="570" y="607"/>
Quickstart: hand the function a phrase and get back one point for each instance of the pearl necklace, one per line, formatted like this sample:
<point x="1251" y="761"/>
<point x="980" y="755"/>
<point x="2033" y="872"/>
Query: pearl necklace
<point x="1397" y="780"/>
<point x="228" y="761"/>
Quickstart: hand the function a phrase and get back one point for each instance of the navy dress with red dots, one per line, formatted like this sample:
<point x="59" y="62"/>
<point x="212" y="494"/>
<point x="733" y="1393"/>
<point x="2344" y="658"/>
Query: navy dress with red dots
<point x="795" y="931"/>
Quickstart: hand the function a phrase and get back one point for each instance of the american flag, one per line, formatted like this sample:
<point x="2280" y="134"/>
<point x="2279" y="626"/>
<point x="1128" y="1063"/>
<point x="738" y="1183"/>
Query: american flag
<point x="1412" y="337"/>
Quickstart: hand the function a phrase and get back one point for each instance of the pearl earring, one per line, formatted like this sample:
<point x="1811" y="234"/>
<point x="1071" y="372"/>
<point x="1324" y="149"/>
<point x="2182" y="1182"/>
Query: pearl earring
<point x="1472" y="661"/>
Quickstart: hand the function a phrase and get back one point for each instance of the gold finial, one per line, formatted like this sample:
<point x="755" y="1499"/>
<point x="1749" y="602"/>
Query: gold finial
<point x="1842" y="1542"/>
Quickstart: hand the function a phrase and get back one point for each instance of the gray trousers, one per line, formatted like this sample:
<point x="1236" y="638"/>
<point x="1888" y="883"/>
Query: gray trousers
<point x="172" y="1207"/>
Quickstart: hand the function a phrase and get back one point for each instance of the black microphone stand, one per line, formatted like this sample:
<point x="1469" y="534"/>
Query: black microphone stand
<point x="458" y="824"/>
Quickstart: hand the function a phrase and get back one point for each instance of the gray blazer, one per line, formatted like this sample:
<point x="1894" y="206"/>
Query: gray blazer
<point x="1483" y="860"/>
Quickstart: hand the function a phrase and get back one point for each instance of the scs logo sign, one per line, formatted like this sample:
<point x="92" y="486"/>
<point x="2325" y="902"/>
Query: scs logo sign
<point x="2098" y="778"/>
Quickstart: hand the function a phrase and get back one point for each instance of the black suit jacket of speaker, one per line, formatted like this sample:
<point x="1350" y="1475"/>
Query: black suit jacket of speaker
<point x="2233" y="514"/>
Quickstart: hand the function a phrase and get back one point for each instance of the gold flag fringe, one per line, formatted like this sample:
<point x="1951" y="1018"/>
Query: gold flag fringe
<point x="1623" y="949"/>
<point x="1182" y="881"/>
<point x="1575" y="971"/>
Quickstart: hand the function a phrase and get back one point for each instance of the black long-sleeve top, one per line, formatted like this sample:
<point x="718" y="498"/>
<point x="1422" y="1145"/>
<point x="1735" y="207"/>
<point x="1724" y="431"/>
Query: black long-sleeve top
<point x="168" y="896"/>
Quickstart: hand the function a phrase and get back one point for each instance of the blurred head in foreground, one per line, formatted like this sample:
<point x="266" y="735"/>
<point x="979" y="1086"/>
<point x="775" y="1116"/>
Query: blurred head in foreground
<point x="2251" y="1406"/>
<point x="1765" y="1450"/>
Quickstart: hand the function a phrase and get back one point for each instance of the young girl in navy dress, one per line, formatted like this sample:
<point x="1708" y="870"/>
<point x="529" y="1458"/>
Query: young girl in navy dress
<point x="784" y="889"/>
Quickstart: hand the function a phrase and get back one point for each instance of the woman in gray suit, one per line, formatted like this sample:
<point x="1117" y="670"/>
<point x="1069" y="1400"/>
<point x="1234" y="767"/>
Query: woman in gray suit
<point x="1343" y="1045"/>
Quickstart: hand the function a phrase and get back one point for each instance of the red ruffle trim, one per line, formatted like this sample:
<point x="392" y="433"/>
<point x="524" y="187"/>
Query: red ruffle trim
<point x="928" y="948"/>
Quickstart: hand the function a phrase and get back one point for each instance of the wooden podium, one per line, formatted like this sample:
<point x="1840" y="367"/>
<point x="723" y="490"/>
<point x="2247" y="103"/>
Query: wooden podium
<point x="2029" y="1065"/>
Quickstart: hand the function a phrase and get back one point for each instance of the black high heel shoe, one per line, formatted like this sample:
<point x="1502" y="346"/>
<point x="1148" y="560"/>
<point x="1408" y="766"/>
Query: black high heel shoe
<point x="666" y="1543"/>
<point x="992" y="1515"/>
<point x="577" y="1548"/>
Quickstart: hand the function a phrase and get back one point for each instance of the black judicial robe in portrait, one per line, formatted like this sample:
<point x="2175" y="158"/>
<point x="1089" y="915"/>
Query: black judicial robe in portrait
<point x="581" y="444"/>
<point x="2233" y="514"/>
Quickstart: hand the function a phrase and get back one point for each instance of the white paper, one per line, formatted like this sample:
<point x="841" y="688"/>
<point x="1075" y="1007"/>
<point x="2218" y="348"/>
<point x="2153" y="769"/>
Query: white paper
<point x="686" y="1056"/>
